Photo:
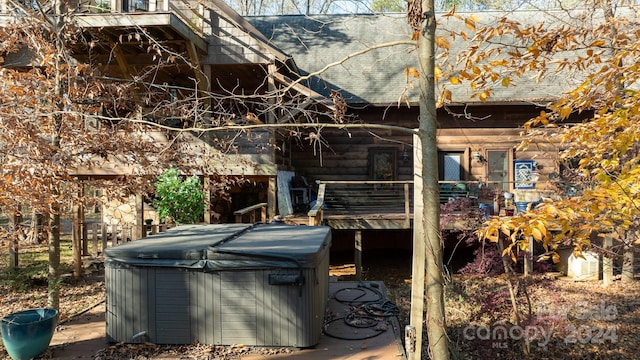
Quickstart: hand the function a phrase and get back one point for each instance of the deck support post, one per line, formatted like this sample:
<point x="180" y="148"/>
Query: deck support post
<point x="607" y="261"/>
<point x="272" y="200"/>
<point x="358" y="255"/>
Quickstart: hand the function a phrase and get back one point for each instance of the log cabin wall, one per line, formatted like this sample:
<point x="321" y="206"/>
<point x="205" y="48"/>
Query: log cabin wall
<point x="484" y="129"/>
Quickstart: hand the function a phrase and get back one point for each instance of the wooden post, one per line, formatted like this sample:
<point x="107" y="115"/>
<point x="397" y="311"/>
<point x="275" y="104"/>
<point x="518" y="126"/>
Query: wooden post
<point x="83" y="229"/>
<point x="14" y="257"/>
<point x="607" y="261"/>
<point x="103" y="234"/>
<point x="407" y="206"/>
<point x="139" y="231"/>
<point x="206" y="189"/>
<point x="358" y="255"/>
<point x="76" y="243"/>
<point x="114" y="235"/>
<point x="418" y="266"/>
<point x="272" y="198"/>
<point x="528" y="258"/>
<point x="14" y="224"/>
<point x="94" y="239"/>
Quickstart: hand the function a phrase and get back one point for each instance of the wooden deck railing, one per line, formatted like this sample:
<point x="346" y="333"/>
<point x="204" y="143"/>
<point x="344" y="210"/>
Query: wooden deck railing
<point x="191" y="12"/>
<point x="362" y="197"/>
<point x="251" y="212"/>
<point x="99" y="236"/>
<point x="393" y="197"/>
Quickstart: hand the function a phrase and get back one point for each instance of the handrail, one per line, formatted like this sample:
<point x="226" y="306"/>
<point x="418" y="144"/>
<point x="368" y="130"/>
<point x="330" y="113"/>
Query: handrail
<point x="316" y="213"/>
<point x="199" y="15"/>
<point x="251" y="210"/>
<point x="356" y="201"/>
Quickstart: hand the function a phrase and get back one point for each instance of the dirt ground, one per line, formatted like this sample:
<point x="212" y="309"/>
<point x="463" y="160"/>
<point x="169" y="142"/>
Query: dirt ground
<point x="568" y="320"/>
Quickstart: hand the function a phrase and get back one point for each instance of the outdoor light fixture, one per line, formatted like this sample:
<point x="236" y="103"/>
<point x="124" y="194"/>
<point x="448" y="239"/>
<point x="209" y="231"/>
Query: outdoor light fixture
<point x="478" y="157"/>
<point x="404" y="156"/>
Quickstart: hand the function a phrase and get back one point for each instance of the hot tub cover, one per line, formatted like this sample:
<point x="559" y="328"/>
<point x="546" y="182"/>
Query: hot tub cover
<point x="226" y="246"/>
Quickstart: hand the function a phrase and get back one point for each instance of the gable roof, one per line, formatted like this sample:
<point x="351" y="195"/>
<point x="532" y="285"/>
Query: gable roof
<point x="377" y="76"/>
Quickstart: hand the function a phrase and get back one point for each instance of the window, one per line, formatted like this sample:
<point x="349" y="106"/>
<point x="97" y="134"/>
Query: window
<point x="498" y="168"/>
<point x="450" y="168"/>
<point x="142" y="5"/>
<point x="382" y="164"/>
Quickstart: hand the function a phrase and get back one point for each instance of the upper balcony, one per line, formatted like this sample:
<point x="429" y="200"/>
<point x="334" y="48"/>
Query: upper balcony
<point x="169" y="19"/>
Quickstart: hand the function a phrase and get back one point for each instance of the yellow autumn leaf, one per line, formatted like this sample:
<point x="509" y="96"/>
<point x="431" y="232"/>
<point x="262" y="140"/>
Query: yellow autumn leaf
<point x="537" y="234"/>
<point x="413" y="72"/>
<point x="564" y="112"/>
<point x="506" y="81"/>
<point x="447" y="94"/>
<point x="484" y="95"/>
<point x="470" y="24"/>
<point x="598" y="43"/>
<point x="454" y="80"/>
<point x="442" y="42"/>
<point x="505" y="229"/>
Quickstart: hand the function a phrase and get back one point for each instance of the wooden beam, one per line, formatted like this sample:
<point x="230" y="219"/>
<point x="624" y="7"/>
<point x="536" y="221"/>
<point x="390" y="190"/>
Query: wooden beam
<point x="418" y="266"/>
<point x="202" y="81"/>
<point x="120" y="59"/>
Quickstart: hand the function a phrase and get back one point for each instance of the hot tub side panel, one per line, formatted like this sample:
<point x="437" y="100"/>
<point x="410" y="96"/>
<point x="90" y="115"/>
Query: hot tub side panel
<point x="147" y="304"/>
<point x="181" y="306"/>
<point x="243" y="307"/>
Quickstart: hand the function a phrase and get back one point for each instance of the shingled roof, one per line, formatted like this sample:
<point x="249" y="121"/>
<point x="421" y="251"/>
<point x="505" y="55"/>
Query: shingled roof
<point x="378" y="76"/>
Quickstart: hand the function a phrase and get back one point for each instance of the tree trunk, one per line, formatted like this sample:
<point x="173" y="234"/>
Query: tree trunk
<point x="434" y="282"/>
<point x="54" y="259"/>
<point x="54" y="211"/>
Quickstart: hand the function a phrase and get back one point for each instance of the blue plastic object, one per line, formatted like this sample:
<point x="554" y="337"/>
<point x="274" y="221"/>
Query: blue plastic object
<point x="524" y="206"/>
<point x="27" y="334"/>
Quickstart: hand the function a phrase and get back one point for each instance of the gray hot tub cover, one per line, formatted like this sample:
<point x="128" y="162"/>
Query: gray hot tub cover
<point x="226" y="246"/>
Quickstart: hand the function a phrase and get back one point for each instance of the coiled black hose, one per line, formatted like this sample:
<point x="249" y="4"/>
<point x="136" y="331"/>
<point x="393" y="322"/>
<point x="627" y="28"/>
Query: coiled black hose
<point x="364" y="314"/>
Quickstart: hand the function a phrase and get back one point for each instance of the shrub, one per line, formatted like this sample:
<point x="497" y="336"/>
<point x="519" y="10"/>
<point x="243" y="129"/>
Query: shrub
<point x="179" y="199"/>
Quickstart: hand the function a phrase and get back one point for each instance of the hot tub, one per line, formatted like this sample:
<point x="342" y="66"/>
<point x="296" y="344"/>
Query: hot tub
<point x="263" y="285"/>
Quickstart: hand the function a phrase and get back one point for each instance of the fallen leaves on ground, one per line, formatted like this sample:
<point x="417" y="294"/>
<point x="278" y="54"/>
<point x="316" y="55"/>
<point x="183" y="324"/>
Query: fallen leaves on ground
<point x="583" y="320"/>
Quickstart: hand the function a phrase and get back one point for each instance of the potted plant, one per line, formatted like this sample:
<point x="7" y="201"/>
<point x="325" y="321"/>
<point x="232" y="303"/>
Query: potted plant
<point x="27" y="334"/>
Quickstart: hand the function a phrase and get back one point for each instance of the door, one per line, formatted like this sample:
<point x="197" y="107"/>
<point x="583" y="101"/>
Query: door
<point x="498" y="168"/>
<point x="382" y="164"/>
